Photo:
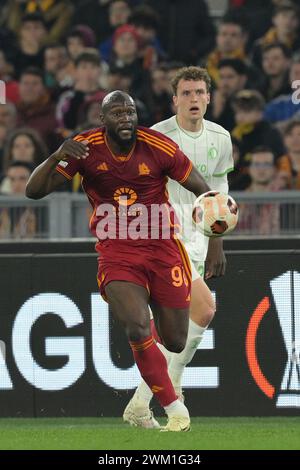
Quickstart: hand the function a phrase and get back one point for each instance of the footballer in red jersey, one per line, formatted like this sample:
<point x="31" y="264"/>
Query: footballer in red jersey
<point x="124" y="169"/>
<point x="123" y="188"/>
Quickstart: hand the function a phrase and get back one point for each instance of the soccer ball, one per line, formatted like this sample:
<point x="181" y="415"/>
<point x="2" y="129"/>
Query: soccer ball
<point x="215" y="214"/>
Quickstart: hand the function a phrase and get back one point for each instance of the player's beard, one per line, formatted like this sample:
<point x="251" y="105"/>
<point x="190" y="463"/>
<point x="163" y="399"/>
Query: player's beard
<point x="124" y="144"/>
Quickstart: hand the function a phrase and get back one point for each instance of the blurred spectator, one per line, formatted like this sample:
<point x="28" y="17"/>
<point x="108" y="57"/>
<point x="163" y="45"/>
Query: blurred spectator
<point x="285" y="29"/>
<point x="120" y="78"/>
<point x="92" y="116"/>
<point x="14" y="181"/>
<point x="262" y="219"/>
<point x="59" y="69"/>
<point x="8" y="115"/>
<point x="125" y="53"/>
<point x="3" y="135"/>
<point x="78" y="39"/>
<point x="56" y="15"/>
<point x="289" y="164"/>
<point x="187" y="31"/>
<point x="18" y="222"/>
<point x="94" y="13"/>
<point x="24" y="145"/>
<point x="256" y="13"/>
<point x="286" y="107"/>
<point x="35" y="108"/>
<point x="18" y="174"/>
<point x="234" y="176"/>
<point x="232" y="79"/>
<point x="157" y="98"/>
<point x="231" y="42"/>
<point x="146" y="22"/>
<point x="31" y="37"/>
<point x="118" y="14"/>
<point x="251" y="130"/>
<point x="71" y="106"/>
<point x="6" y="75"/>
<point x="263" y="171"/>
<point x="275" y="64"/>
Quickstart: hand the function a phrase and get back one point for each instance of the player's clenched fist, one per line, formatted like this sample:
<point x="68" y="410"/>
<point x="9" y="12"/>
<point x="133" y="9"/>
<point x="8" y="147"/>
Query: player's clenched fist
<point x="72" y="148"/>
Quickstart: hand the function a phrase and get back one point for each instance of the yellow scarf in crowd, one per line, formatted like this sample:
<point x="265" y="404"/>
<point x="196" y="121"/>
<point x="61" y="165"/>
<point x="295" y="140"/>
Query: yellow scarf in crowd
<point x="271" y="36"/>
<point x="42" y="5"/>
<point x="242" y="129"/>
<point x="215" y="57"/>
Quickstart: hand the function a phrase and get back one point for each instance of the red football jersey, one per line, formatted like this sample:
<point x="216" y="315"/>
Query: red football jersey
<point x="125" y="191"/>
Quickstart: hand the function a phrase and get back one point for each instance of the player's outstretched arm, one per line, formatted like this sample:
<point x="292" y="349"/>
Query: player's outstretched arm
<point x="215" y="263"/>
<point x="45" y="179"/>
<point x="195" y="183"/>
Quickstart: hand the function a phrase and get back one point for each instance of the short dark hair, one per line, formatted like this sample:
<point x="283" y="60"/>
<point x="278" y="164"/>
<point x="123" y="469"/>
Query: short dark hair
<point x="235" y="17"/>
<point x="34" y="17"/>
<point x="261" y="149"/>
<point x="36" y="71"/>
<point x="191" y="73"/>
<point x="286" y="6"/>
<point x="277" y="45"/>
<point x="144" y="15"/>
<point x="111" y="2"/>
<point x="237" y="65"/>
<point x="248" y="100"/>
<point x="29" y="166"/>
<point x="290" y="127"/>
<point x="89" y="55"/>
<point x="54" y="45"/>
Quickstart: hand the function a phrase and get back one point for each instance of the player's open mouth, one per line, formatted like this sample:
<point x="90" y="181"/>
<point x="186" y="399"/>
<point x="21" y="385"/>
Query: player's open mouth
<point x="125" y="131"/>
<point x="194" y="109"/>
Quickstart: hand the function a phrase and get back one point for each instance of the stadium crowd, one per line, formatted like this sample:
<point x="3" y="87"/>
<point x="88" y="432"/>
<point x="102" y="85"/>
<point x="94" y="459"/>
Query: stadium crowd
<point x="58" y="59"/>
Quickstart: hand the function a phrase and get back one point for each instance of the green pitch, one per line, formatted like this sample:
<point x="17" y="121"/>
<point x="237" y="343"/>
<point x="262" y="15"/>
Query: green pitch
<point x="111" y="433"/>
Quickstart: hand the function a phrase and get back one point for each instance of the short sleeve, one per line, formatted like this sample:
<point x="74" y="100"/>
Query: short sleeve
<point x="179" y="167"/>
<point x="69" y="167"/>
<point x="225" y="164"/>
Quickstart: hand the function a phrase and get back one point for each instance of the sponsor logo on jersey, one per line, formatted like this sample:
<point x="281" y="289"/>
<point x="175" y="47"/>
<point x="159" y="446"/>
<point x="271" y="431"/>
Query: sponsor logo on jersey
<point x="125" y="196"/>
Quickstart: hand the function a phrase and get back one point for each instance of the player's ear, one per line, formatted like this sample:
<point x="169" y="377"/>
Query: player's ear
<point x="175" y="100"/>
<point x="208" y="98"/>
<point x="101" y="118"/>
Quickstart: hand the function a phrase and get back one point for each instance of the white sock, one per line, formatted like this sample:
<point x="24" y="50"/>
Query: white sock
<point x="143" y="392"/>
<point x="179" y="361"/>
<point x="176" y="408"/>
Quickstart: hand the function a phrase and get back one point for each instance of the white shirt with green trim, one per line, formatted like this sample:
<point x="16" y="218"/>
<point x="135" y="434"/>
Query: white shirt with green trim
<point x="210" y="150"/>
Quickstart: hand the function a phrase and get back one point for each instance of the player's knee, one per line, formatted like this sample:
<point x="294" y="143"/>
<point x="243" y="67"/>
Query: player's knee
<point x="209" y="313"/>
<point x="202" y="314"/>
<point x="175" y="346"/>
<point x="136" y="331"/>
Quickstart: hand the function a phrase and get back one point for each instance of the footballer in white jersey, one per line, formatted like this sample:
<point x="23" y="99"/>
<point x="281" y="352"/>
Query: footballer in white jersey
<point x="210" y="150"/>
<point x="209" y="147"/>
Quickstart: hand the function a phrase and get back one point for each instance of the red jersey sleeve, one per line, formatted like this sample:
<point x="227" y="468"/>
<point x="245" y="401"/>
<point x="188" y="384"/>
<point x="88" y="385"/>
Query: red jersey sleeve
<point x="179" y="166"/>
<point x="71" y="165"/>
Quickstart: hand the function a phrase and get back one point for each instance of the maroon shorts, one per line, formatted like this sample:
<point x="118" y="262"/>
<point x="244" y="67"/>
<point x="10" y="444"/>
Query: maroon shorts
<point x="161" y="266"/>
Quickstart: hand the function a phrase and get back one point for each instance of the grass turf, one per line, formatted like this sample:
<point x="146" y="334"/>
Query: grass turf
<point x="111" y="433"/>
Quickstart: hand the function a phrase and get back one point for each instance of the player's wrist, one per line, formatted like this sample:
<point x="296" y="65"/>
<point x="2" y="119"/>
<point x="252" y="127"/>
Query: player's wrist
<point x="58" y="156"/>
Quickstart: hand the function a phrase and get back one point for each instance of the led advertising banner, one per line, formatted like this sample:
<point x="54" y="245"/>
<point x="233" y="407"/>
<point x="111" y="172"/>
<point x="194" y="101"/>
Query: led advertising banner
<point x="61" y="353"/>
